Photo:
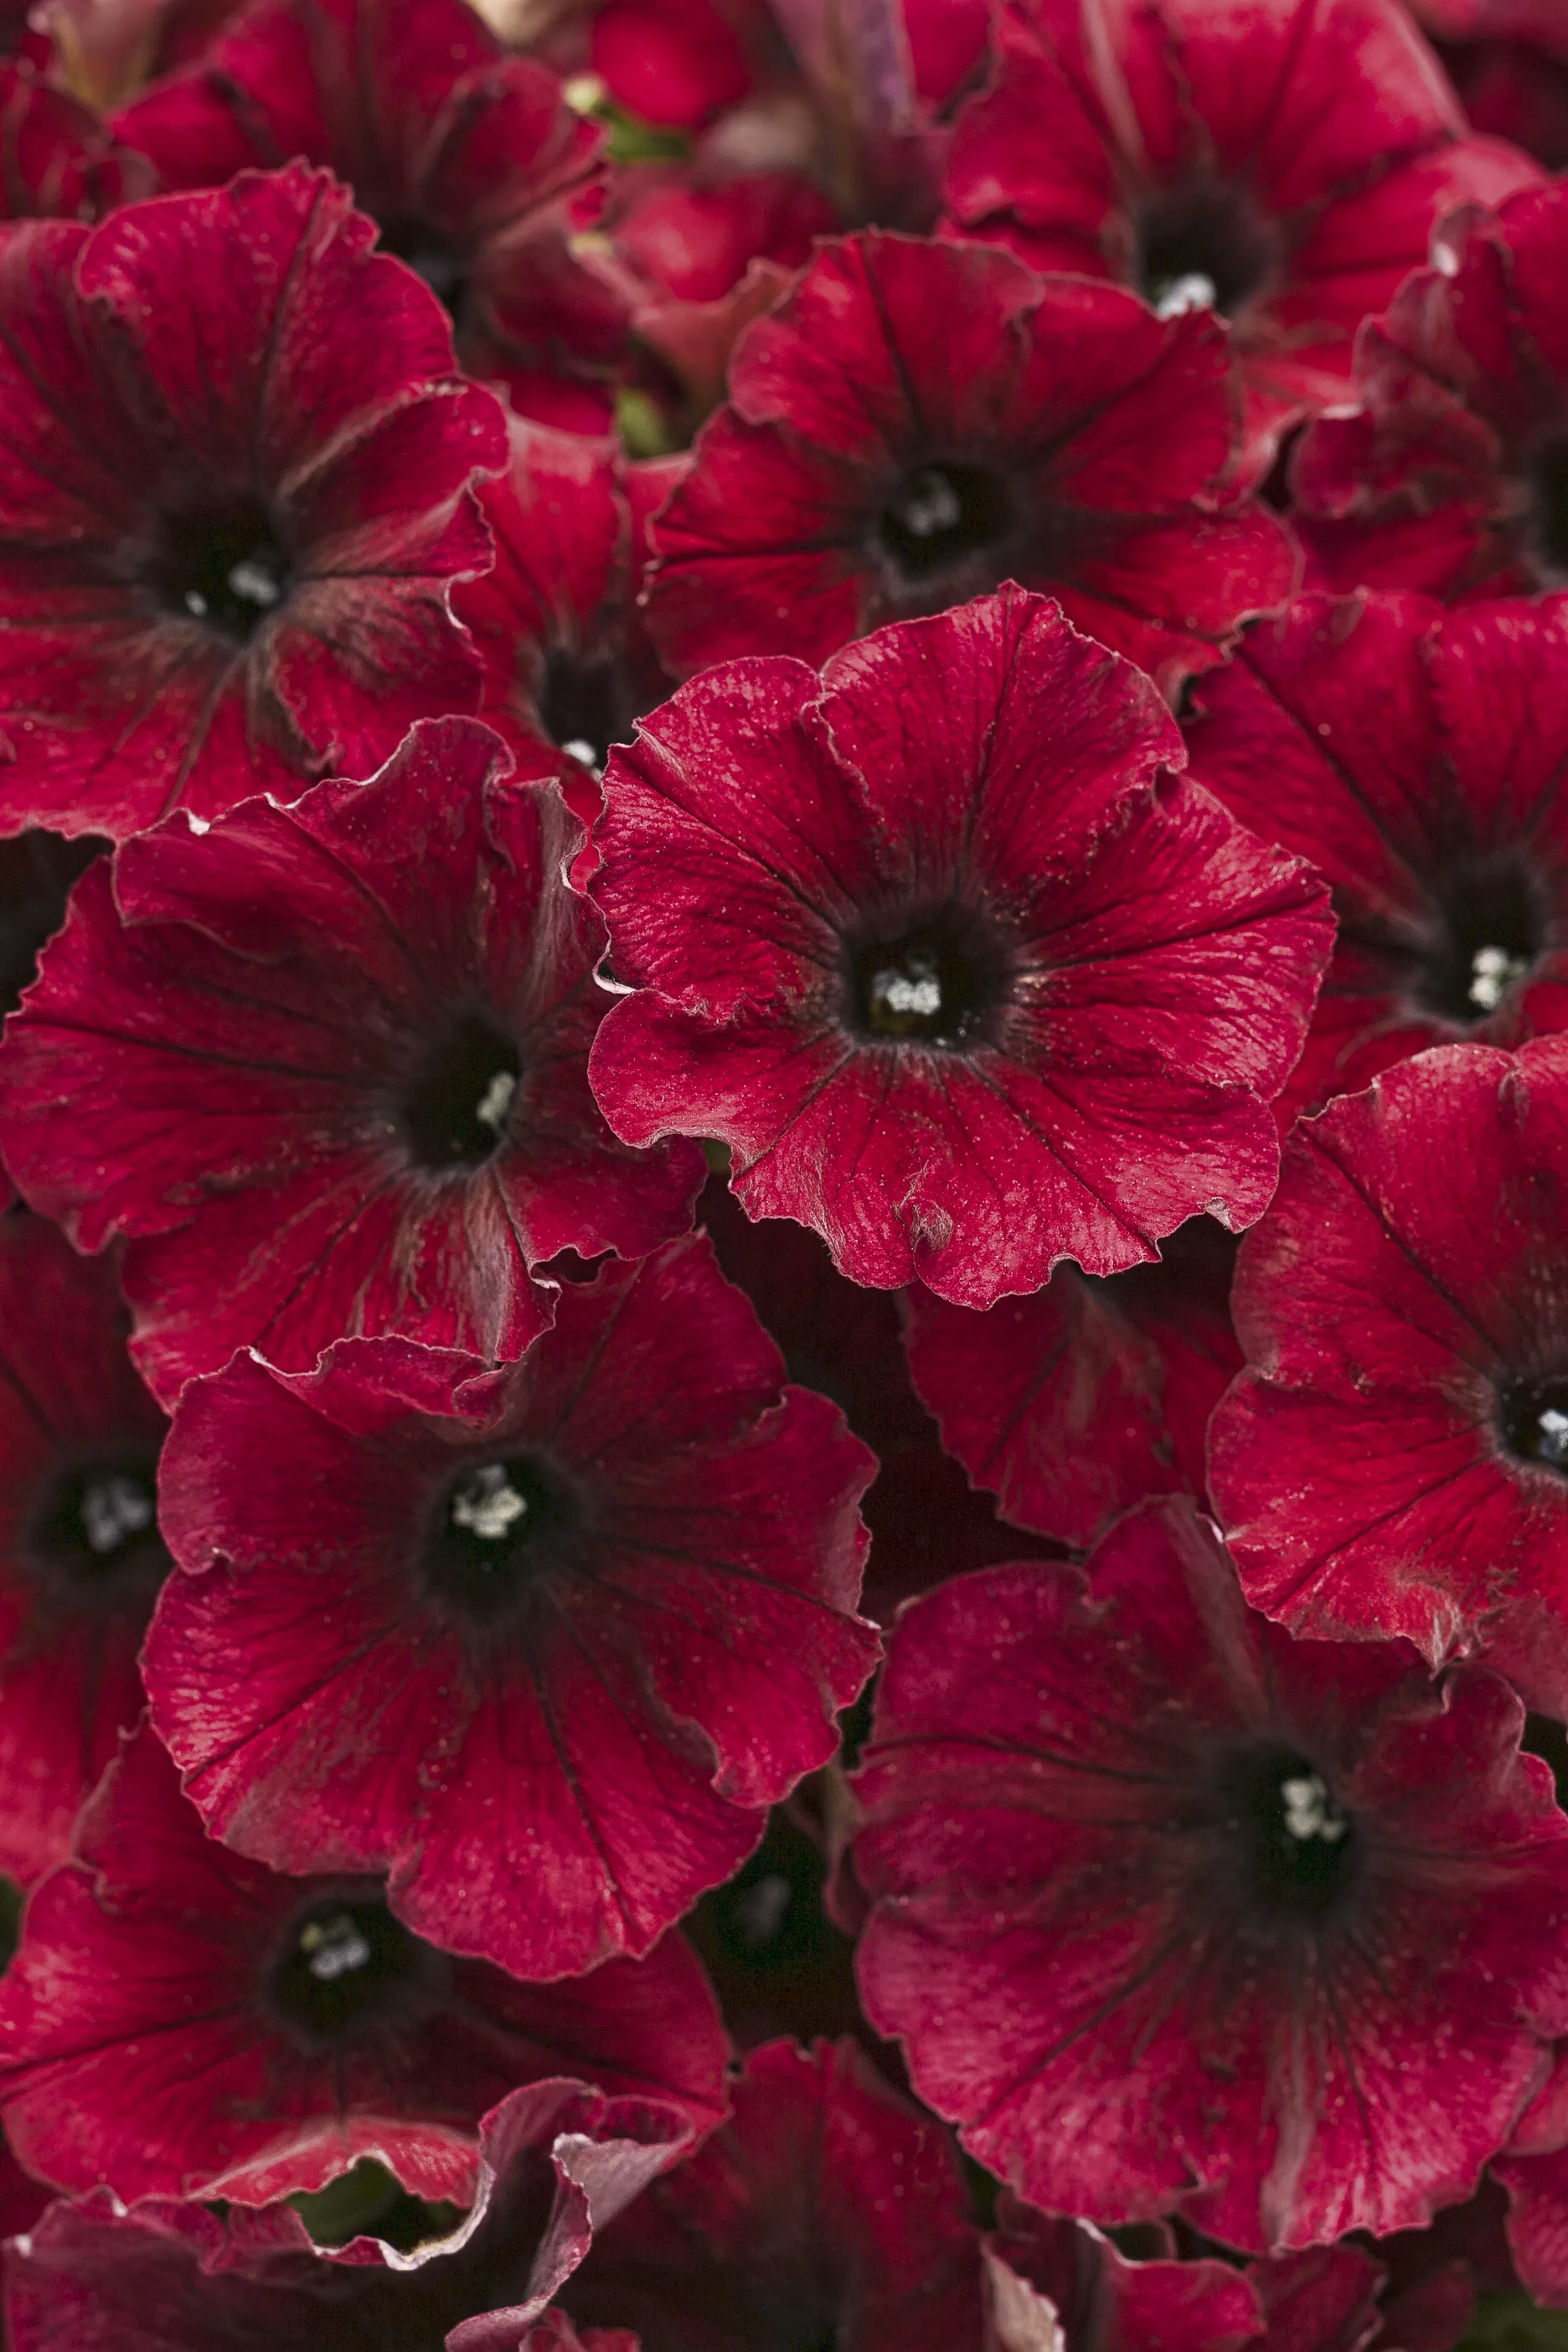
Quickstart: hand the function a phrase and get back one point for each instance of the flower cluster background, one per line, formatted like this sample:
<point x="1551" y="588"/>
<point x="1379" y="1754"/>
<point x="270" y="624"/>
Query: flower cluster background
<point x="783" y="1175"/>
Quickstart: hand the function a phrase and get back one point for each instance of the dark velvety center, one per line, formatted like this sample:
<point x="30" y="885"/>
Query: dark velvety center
<point x="1203" y="245"/>
<point x="346" y="1970"/>
<point x="940" y="516"/>
<point x="1493" y="926"/>
<point x="1296" y="1850"/>
<point x="1532" y="1422"/>
<point x="941" y="982"/>
<point x="436" y="257"/>
<point x="457" y="1107"/>
<point x="93" y="1536"/>
<point x="224" y="565"/>
<point x="498" y="1533"/>
<point x="583" y="704"/>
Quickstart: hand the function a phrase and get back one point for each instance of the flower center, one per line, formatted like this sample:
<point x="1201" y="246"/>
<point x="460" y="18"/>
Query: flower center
<point x="1203" y="246"/>
<point x="432" y="256"/>
<point x="456" y="1110"/>
<point x="584" y="705"/>
<point x="1533" y="1423"/>
<point x="940" y="516"/>
<point x="1493" y="927"/>
<point x="345" y="1968"/>
<point x="222" y="565"/>
<point x="498" y="1532"/>
<point x="94" y="1535"/>
<point x="940" y="982"/>
<point x="1296" y="1848"/>
<point x="1546" y="510"/>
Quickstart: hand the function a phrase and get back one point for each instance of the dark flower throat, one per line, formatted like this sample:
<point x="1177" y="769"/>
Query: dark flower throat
<point x="499" y="1533"/>
<point x="943" y="981"/>
<point x="1292" y="1852"/>
<point x="345" y="1970"/>
<point x="457" y="1107"/>
<point x="225" y="566"/>
<point x="94" y="1537"/>
<point x="1203" y="246"/>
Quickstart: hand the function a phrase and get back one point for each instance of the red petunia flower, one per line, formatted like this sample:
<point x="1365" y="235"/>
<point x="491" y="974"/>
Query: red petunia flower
<point x="1396" y="1459"/>
<point x="568" y="666"/>
<point x="179" y="2021"/>
<point x="1534" y="2171"/>
<point x="471" y="162"/>
<point x="826" y="2211"/>
<point x="1416" y="759"/>
<point x="57" y="161"/>
<point x="81" y="1559"/>
<point x="1452" y="475"/>
<point x="557" y="2160"/>
<point x="236" y="499"/>
<point x="543" y="1641"/>
<point x="338" y="1051"/>
<point x="1076" y="1402"/>
<point x="964" y="976"/>
<point x="1280" y="163"/>
<point x="918" y="421"/>
<point x="1172" y="1911"/>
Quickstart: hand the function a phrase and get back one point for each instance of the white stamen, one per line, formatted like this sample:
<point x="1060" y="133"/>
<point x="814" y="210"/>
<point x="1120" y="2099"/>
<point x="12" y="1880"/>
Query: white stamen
<point x="490" y="1505"/>
<point x="1307" y="1809"/>
<point x="1192" y="292"/>
<point x="112" y="1511"/>
<point x="901" y="996"/>
<point x="333" y="1947"/>
<point x="579" y="748"/>
<point x="255" y="582"/>
<point x="1553" y="1428"/>
<point x="931" y="504"/>
<point x="1492" y="974"/>
<point x="494" y="1106"/>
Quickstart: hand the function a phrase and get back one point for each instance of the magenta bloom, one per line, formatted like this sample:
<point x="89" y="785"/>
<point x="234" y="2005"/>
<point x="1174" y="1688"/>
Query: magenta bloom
<point x="917" y="422"/>
<point x="568" y="666"/>
<point x="1453" y="473"/>
<point x="826" y="2212"/>
<point x="236" y="499"/>
<point x="965" y="974"/>
<point x="543" y="1642"/>
<point x="556" y="2161"/>
<point x="339" y="1054"/>
<point x="1416" y="759"/>
<point x="1074" y="1403"/>
<point x="1396" y="1461"/>
<point x="81" y="1558"/>
<point x="469" y="160"/>
<point x="179" y="2021"/>
<point x="1281" y="165"/>
<point x="1172" y="1911"/>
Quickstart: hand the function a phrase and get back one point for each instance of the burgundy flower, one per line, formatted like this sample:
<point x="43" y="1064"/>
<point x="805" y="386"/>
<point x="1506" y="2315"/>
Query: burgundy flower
<point x="568" y="666"/>
<point x="1396" y="1461"/>
<point x="1452" y="475"/>
<point x="469" y="161"/>
<point x="826" y="2212"/>
<point x="1280" y="164"/>
<point x="234" y="501"/>
<point x="1416" y="758"/>
<point x="964" y="974"/>
<point x="55" y="158"/>
<point x="557" y="2160"/>
<point x="1174" y="1911"/>
<point x="918" y="421"/>
<point x="338" y="1054"/>
<point x="1076" y="1402"/>
<point x="542" y="1642"/>
<point x="81" y="1558"/>
<point x="179" y="2021"/>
